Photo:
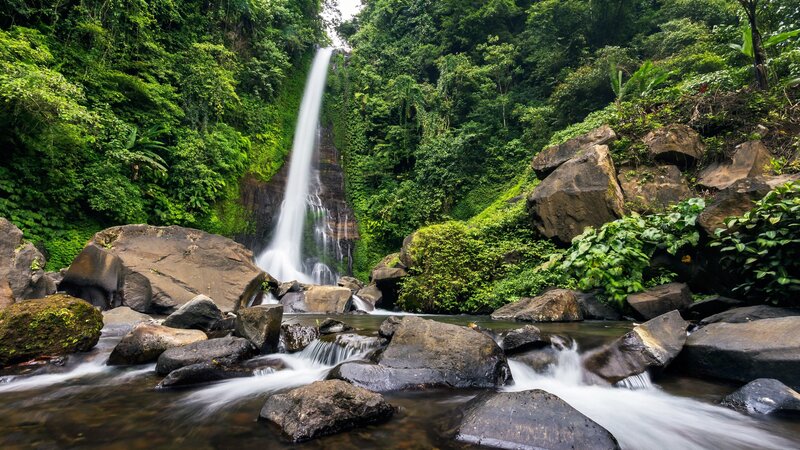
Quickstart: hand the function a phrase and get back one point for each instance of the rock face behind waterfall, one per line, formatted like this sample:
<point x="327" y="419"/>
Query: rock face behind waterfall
<point x="426" y="353"/>
<point x="158" y="269"/>
<point x="530" y="420"/>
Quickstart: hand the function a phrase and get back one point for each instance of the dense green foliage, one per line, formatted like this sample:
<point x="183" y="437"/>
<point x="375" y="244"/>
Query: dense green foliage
<point x="762" y="248"/>
<point x="119" y="112"/>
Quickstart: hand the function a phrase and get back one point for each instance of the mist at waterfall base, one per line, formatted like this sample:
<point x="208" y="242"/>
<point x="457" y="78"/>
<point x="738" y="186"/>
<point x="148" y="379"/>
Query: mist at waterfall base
<point x="283" y="258"/>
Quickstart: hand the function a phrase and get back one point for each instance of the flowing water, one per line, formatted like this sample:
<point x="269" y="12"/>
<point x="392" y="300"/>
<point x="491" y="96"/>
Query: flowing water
<point x="89" y="405"/>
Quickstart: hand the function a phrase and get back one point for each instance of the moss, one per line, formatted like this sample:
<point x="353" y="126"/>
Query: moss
<point x="54" y="325"/>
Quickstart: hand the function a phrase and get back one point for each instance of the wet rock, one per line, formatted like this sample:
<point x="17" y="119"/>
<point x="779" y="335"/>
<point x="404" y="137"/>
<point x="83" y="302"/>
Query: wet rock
<point x="296" y="337"/>
<point x="328" y="299"/>
<point x="55" y="325"/>
<point x="732" y="201"/>
<point x="225" y="351"/>
<point x="582" y="192"/>
<point x="287" y="287"/>
<point x="750" y="314"/>
<point x="675" y="144"/>
<point x="425" y="353"/>
<point x="661" y="299"/>
<point x="22" y="273"/>
<point x="350" y="283"/>
<point x="593" y="309"/>
<point x="710" y="306"/>
<point x="651" y="345"/>
<point x="766" y="348"/>
<point x="371" y="294"/>
<point x="200" y="313"/>
<point x="764" y="396"/>
<point x="651" y="189"/>
<point x="556" y="305"/>
<point x="331" y="326"/>
<point x="389" y="326"/>
<point x="750" y="160"/>
<point x="530" y="419"/>
<point x="147" y="341"/>
<point x="261" y="325"/>
<point x="552" y="157"/>
<point x="540" y="360"/>
<point x="122" y="319"/>
<point x="206" y="372"/>
<point x="521" y="339"/>
<point x="167" y="265"/>
<point x="324" y="408"/>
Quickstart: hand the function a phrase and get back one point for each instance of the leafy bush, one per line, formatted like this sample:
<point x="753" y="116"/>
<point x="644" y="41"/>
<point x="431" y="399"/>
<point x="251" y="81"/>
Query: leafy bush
<point x="616" y="257"/>
<point x="763" y="247"/>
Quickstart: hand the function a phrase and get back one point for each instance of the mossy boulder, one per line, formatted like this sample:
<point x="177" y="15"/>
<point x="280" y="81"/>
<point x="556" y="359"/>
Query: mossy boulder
<point x="54" y="325"/>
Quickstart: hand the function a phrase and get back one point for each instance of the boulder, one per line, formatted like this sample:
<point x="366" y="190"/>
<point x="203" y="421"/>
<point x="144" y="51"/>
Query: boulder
<point x="147" y="341"/>
<point x="764" y="396"/>
<point x="261" y="325"/>
<point x="540" y="359"/>
<point x="766" y="348"/>
<point x="287" y="287"/>
<point x="350" y="283"/>
<point x="521" y="339"/>
<point x="651" y="345"/>
<point x="323" y="408"/>
<point x="386" y="277"/>
<point x="200" y="313"/>
<point x="296" y="337"/>
<point x="205" y="372"/>
<point x="529" y="420"/>
<point x="158" y="269"/>
<point x="710" y="306"/>
<point x="733" y="201"/>
<point x="675" y="144"/>
<point x="22" y="273"/>
<point x="750" y="314"/>
<point x="661" y="299"/>
<point x="582" y="192"/>
<point x="426" y="353"/>
<point x="389" y="326"/>
<point x="55" y="325"/>
<point x="225" y="351"/>
<point x="331" y="326"/>
<point x="593" y="309"/>
<point x="371" y="294"/>
<point x="122" y="319"/>
<point x="750" y="160"/>
<point x="652" y="189"/>
<point x="549" y="159"/>
<point x="328" y="299"/>
<point x="556" y="305"/>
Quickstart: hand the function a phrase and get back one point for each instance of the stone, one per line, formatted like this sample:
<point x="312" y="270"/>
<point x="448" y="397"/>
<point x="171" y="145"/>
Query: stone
<point x="653" y="189"/>
<point x="328" y="299"/>
<point x="766" y="348"/>
<point x="225" y="351"/>
<point x="710" y="306"/>
<point x="661" y="299"/>
<point x="555" y="305"/>
<point x="287" y="287"/>
<point x="521" y="339"/>
<point x="733" y="201"/>
<point x="200" y="313"/>
<point x="331" y="326"/>
<point x="147" y="341"/>
<point x="593" y="309"/>
<point x="675" y="144"/>
<point x="425" y="353"/>
<point x="123" y="319"/>
<point x="370" y="294"/>
<point x="389" y="326"/>
<point x="532" y="419"/>
<point x="51" y="326"/>
<point x="22" y="273"/>
<point x="172" y="265"/>
<point x="540" y="360"/>
<point x="649" y="346"/>
<point x="750" y="160"/>
<point x="749" y="314"/>
<point x="550" y="158"/>
<point x="350" y="283"/>
<point x="296" y="337"/>
<point x="324" y="408"/>
<point x="764" y="396"/>
<point x="583" y="192"/>
<point x="386" y="277"/>
<point x="261" y="325"/>
<point x="205" y="372"/>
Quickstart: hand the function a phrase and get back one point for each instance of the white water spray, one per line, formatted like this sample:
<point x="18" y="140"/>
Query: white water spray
<point x="283" y="257"/>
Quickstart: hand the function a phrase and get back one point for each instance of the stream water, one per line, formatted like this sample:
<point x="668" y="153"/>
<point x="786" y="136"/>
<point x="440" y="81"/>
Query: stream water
<point x="90" y="405"/>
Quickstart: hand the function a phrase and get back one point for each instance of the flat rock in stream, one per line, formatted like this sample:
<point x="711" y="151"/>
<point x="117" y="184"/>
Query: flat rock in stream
<point x="206" y="372"/>
<point x="147" y="341"/>
<point x="224" y="351"/>
<point x="764" y="396"/>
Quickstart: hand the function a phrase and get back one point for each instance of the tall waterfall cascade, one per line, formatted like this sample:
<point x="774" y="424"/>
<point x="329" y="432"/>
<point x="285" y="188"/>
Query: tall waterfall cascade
<point x="309" y="234"/>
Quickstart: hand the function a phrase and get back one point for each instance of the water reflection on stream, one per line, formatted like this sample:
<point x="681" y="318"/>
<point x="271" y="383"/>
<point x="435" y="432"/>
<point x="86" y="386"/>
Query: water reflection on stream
<point x="89" y="405"/>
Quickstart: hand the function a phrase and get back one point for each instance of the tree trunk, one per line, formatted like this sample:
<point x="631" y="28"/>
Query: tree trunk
<point x="759" y="55"/>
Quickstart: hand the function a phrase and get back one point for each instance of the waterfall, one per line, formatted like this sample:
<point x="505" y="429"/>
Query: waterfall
<point x="283" y="256"/>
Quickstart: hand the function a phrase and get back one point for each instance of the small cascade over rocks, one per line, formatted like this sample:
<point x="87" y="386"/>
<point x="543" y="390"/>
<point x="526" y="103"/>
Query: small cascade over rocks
<point x="641" y="381"/>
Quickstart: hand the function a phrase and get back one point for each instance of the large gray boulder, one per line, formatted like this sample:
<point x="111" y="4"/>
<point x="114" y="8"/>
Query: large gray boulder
<point x="651" y="189"/>
<point x="147" y="341"/>
<point x="750" y="160"/>
<point x="551" y="157"/>
<point x="766" y="348"/>
<point x="675" y="144"/>
<point x="556" y="305"/>
<point x="582" y="192"/>
<point x="200" y="313"/>
<point x="22" y="273"/>
<point x="319" y="299"/>
<point x="158" y="269"/>
<point x="425" y="353"/>
<point x="261" y="325"/>
<point x="225" y="351"/>
<point x="661" y="299"/>
<point x="651" y="345"/>
<point x="521" y="339"/>
<point x="733" y="201"/>
<point x="323" y="408"/>
<point x="530" y="420"/>
<point x="764" y="396"/>
<point x="749" y="314"/>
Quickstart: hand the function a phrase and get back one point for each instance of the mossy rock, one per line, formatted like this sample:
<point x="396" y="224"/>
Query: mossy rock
<point x="55" y="325"/>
